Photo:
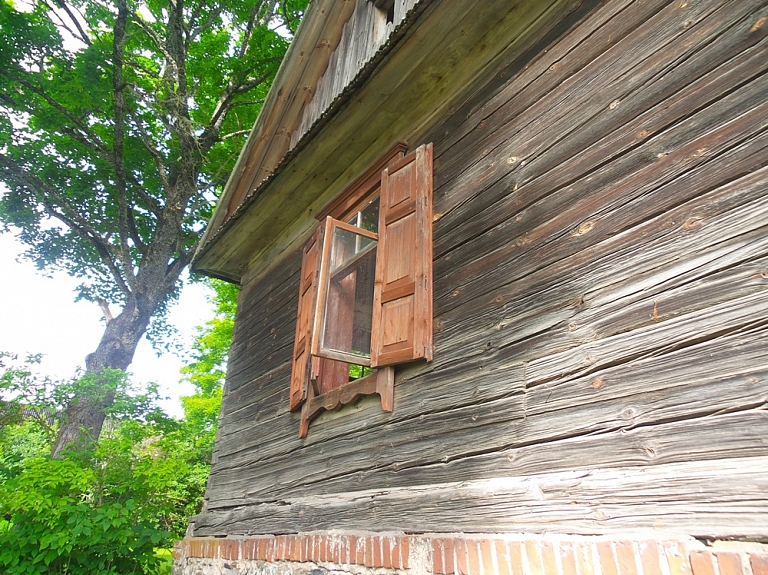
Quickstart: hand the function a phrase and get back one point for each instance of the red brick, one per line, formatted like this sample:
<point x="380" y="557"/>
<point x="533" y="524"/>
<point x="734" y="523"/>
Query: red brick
<point x="377" y="556"/>
<point x="516" y="557"/>
<point x="343" y="548"/>
<point x="249" y="548"/>
<point x="462" y="556"/>
<point x="405" y="552"/>
<point x="607" y="558"/>
<point x="360" y="551"/>
<point x="285" y="547"/>
<point x="395" y="549"/>
<point x="230" y="549"/>
<point x="649" y="557"/>
<point x="487" y="552"/>
<point x="473" y="557"/>
<point x="677" y="559"/>
<point x="321" y="549"/>
<point x="502" y="557"/>
<point x="177" y="550"/>
<point x="625" y="556"/>
<point x="567" y="558"/>
<point x="533" y="555"/>
<point x="729" y="563"/>
<point x="295" y="547"/>
<point x="448" y="555"/>
<point x="584" y="558"/>
<point x="701" y="563"/>
<point x="548" y="558"/>
<point x="333" y="549"/>
<point x="437" y="556"/>
<point x="759" y="563"/>
<point x="306" y="547"/>
<point x="369" y="551"/>
<point x="386" y="552"/>
<point x="348" y="549"/>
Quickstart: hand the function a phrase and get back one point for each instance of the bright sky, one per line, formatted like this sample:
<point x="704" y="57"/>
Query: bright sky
<point x="39" y="315"/>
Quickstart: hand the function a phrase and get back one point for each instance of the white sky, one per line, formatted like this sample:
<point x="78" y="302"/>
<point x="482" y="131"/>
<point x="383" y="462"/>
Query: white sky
<point x="39" y="315"/>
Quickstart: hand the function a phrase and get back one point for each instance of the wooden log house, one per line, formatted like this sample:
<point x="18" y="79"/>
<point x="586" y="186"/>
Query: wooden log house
<point x="504" y="307"/>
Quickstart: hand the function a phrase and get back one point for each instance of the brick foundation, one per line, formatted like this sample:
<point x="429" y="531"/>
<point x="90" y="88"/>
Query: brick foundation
<point x="468" y="555"/>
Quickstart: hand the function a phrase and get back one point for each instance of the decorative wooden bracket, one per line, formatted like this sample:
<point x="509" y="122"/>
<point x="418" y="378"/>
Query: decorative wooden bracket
<point x="381" y="382"/>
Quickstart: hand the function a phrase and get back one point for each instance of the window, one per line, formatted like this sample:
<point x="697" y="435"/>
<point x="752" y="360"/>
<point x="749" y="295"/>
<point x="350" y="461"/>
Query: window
<point x="365" y="295"/>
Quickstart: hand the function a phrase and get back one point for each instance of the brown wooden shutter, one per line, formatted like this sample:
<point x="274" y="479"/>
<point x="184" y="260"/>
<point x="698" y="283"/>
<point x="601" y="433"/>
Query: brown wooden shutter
<point x="402" y="298"/>
<point x="310" y="267"/>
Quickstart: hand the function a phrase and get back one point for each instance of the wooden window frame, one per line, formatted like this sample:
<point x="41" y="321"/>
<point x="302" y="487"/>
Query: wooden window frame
<point x="332" y="224"/>
<point x="352" y="200"/>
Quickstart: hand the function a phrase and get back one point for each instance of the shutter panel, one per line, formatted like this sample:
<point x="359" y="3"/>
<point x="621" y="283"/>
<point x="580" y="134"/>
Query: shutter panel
<point x="402" y="298"/>
<point x="310" y="266"/>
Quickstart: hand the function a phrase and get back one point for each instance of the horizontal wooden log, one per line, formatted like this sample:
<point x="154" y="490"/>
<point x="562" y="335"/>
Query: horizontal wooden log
<point x="493" y="260"/>
<point x="721" y="498"/>
<point x="618" y="397"/>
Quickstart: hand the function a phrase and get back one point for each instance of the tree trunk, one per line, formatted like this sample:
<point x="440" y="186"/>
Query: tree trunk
<point x="84" y="416"/>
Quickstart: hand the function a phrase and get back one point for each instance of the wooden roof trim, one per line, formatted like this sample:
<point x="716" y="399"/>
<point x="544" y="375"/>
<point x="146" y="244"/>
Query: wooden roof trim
<point x="306" y="60"/>
<point x="218" y="225"/>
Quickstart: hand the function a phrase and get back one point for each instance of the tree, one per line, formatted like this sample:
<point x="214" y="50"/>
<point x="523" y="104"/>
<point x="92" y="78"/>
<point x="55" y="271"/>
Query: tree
<point x="104" y="509"/>
<point x="119" y="124"/>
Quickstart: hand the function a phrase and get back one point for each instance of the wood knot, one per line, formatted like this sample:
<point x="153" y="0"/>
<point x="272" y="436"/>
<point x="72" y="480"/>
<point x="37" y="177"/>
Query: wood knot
<point x="598" y="383"/>
<point x="584" y="228"/>
<point x="759" y="24"/>
<point x="629" y="413"/>
<point x="692" y="223"/>
<point x="455" y="293"/>
<point x="613" y="104"/>
<point x="436" y="216"/>
<point x="642" y="134"/>
<point x="698" y="153"/>
<point x="498" y="299"/>
<point x="439" y="326"/>
<point x="512" y="159"/>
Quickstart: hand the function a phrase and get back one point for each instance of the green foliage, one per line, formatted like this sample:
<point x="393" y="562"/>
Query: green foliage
<point x="207" y="370"/>
<point x="56" y="526"/>
<point x="101" y="508"/>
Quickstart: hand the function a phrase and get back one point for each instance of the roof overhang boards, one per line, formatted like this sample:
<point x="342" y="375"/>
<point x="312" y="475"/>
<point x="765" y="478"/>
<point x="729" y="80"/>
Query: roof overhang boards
<point x="428" y="61"/>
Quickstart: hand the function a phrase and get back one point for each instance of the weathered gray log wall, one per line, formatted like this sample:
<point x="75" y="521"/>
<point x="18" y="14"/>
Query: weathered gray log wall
<point x="601" y="309"/>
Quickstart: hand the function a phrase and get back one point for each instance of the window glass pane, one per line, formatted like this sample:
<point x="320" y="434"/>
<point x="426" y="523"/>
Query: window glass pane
<point x="368" y="217"/>
<point x="349" y="294"/>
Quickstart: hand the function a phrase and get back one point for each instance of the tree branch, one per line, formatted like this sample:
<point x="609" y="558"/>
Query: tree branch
<point x="211" y="133"/>
<point x="95" y="140"/>
<point x="234" y="134"/>
<point x="118" y="96"/>
<point x="52" y="202"/>
<point x="104" y="305"/>
<point x="151" y="148"/>
<point x="140" y="245"/>
<point x="82" y="35"/>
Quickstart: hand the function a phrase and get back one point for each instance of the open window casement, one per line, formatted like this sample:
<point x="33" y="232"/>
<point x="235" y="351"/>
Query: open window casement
<point x="365" y="298"/>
